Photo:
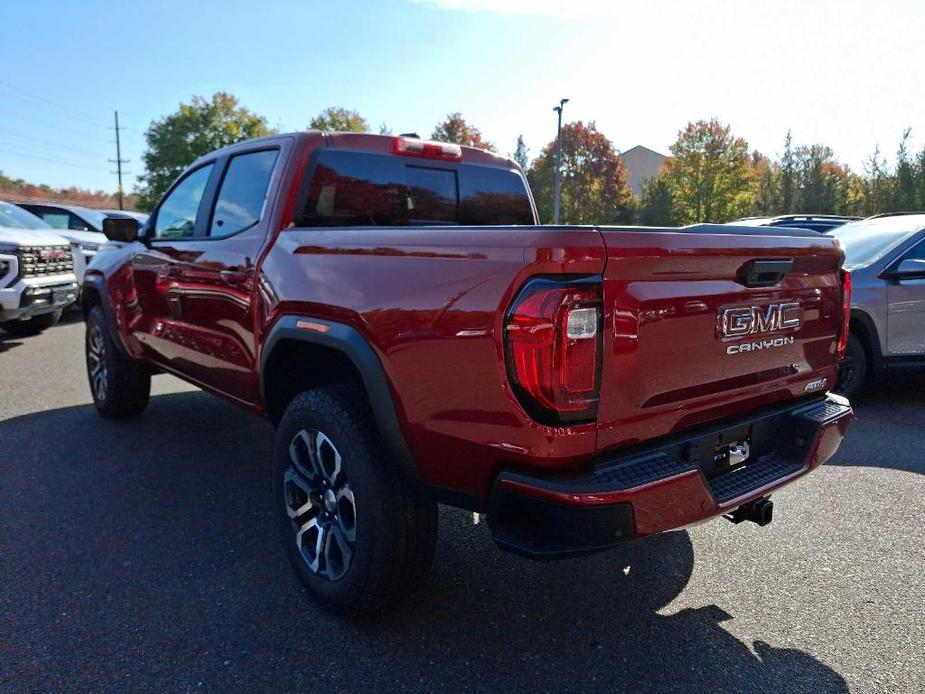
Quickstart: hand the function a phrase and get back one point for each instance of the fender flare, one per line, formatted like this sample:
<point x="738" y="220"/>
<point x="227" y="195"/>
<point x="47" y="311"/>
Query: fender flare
<point x="347" y="340"/>
<point x="98" y="283"/>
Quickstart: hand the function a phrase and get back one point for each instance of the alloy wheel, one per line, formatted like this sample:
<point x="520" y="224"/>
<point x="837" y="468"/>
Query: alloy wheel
<point x="320" y="504"/>
<point x="96" y="363"/>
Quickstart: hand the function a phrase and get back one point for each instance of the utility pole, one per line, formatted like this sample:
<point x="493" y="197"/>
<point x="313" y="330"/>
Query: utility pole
<point x="118" y="161"/>
<point x="555" y="205"/>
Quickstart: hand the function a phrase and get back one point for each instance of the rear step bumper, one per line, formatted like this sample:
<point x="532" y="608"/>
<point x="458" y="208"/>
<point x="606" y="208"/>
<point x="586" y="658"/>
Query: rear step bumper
<point x="679" y="481"/>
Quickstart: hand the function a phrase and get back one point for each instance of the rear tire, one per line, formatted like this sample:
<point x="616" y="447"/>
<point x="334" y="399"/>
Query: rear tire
<point x="120" y="387"/>
<point x="33" y="326"/>
<point x="853" y="370"/>
<point x="356" y="533"/>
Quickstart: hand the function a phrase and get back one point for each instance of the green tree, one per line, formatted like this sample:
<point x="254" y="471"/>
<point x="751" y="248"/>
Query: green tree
<point x="877" y="185"/>
<point x="455" y="129"/>
<point x="709" y="173"/>
<point x="818" y="178"/>
<point x="655" y="206"/>
<point x="521" y="153"/>
<point x="787" y="177"/>
<point x="594" y="189"/>
<point x="195" y="129"/>
<point x="920" y="180"/>
<point x="766" y="176"/>
<point x="905" y="194"/>
<point x="339" y="119"/>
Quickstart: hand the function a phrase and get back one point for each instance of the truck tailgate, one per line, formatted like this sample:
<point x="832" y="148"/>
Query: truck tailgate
<point x="688" y="341"/>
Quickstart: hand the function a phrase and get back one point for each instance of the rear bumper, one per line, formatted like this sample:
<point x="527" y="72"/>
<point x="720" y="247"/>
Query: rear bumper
<point x="669" y="485"/>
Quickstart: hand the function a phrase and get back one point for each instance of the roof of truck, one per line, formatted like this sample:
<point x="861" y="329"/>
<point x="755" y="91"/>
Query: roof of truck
<point x="364" y="142"/>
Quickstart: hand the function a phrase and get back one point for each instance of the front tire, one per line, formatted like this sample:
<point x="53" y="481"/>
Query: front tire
<point x="33" y="326"/>
<point x="120" y="387"/>
<point x="356" y="533"/>
<point x="853" y="370"/>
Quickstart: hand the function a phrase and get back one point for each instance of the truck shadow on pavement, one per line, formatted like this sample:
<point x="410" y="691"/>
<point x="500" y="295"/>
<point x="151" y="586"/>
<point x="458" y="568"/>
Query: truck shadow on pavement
<point x="144" y="555"/>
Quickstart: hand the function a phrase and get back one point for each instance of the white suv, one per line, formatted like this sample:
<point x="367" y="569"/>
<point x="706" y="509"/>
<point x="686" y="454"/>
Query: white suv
<point x="36" y="273"/>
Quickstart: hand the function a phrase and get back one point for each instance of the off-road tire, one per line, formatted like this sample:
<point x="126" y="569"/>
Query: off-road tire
<point x="120" y="386"/>
<point x="394" y="526"/>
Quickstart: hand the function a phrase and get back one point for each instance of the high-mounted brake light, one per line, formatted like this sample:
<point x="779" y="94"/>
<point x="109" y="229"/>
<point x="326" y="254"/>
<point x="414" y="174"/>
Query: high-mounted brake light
<point x="553" y="342"/>
<point x="842" y="348"/>
<point x="426" y="149"/>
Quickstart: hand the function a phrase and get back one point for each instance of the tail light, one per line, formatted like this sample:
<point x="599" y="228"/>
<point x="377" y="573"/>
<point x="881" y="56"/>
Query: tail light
<point x="845" y="315"/>
<point x="553" y="343"/>
<point x="426" y="149"/>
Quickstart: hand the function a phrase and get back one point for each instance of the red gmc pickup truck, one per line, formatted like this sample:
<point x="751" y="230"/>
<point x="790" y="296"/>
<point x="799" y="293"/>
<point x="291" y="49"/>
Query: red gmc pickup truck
<point x="392" y="306"/>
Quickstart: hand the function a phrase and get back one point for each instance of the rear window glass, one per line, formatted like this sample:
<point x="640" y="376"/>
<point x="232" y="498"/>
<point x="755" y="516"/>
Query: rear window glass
<point x="360" y="189"/>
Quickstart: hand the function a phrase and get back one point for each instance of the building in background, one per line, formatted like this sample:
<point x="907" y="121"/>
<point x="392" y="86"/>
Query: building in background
<point x="641" y="164"/>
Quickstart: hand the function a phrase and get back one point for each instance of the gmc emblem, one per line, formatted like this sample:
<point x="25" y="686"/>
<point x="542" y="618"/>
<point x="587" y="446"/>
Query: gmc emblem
<point x="51" y="254"/>
<point x="751" y="320"/>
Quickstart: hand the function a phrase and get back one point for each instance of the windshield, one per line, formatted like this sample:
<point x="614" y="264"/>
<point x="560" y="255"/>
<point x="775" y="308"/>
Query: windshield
<point x="870" y="239"/>
<point x="15" y="217"/>
<point x="94" y="217"/>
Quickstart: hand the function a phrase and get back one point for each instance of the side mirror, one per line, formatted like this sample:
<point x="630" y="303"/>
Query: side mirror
<point x="910" y="268"/>
<point x="124" y="229"/>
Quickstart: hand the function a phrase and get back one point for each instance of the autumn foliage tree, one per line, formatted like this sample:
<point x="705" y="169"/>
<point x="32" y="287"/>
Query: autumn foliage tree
<point x="339" y="119"/>
<point x="194" y="129"/>
<point x="593" y="178"/>
<point x="455" y="129"/>
<point x="709" y="173"/>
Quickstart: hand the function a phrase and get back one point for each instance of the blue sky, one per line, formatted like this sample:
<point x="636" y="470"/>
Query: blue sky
<point x="845" y="73"/>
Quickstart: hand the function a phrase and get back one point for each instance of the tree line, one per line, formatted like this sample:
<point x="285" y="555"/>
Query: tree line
<point x="711" y="174"/>
<point x="19" y="190"/>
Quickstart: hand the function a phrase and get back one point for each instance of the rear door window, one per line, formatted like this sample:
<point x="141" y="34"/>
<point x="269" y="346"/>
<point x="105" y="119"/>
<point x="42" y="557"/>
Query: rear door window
<point x="243" y="193"/>
<point x="59" y="219"/>
<point x="363" y="189"/>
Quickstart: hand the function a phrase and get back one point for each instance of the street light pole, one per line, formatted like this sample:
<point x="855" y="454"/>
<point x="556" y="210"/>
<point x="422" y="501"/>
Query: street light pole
<point x="555" y="205"/>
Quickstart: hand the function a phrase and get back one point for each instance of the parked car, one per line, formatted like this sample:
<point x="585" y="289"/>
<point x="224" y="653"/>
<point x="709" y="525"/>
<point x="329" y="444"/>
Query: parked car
<point x="886" y="257"/>
<point x="583" y="386"/>
<point x="815" y="222"/>
<point x="82" y="226"/>
<point x="140" y="216"/>
<point x="37" y="279"/>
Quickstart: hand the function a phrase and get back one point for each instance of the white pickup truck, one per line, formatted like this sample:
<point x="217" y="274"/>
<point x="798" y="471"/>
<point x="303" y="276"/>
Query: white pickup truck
<point x="37" y="280"/>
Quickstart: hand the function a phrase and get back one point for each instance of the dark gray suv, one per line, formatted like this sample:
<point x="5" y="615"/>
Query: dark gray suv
<point x="886" y="257"/>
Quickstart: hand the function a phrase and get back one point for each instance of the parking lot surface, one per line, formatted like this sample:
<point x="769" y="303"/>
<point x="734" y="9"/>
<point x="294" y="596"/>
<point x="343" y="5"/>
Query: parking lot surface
<point x="143" y="556"/>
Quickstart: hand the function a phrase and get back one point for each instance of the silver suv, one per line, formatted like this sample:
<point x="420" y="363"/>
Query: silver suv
<point x="886" y="257"/>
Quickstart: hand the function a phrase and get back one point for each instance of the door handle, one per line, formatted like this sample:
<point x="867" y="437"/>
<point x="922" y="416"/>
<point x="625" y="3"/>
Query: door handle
<point x="233" y="276"/>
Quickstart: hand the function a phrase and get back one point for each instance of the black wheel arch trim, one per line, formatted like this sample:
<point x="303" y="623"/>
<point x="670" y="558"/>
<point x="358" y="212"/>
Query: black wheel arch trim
<point x="873" y="341"/>
<point x="98" y="283"/>
<point x="356" y="347"/>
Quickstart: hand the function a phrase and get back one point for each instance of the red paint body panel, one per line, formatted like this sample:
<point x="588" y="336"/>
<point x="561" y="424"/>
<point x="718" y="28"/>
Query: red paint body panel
<point x="665" y="366"/>
<point x="431" y="303"/>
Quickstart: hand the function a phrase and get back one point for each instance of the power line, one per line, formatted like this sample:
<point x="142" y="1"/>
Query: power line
<point x="6" y="149"/>
<point x="46" y="124"/>
<point x="66" y="110"/>
<point x="38" y="142"/>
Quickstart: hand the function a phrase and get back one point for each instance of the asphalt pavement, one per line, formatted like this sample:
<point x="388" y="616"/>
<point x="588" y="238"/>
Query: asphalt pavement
<point x="143" y="556"/>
